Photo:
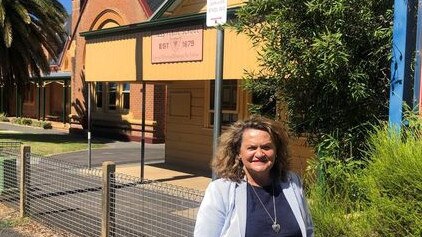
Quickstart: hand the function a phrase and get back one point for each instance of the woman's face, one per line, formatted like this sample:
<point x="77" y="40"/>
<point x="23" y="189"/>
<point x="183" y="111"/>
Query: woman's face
<point x="257" y="153"/>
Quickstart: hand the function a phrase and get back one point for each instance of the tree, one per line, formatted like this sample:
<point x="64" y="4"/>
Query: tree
<point x="31" y="31"/>
<point x="327" y="60"/>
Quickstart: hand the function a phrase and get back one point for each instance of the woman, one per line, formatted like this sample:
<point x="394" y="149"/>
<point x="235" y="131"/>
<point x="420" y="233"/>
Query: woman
<point x="256" y="195"/>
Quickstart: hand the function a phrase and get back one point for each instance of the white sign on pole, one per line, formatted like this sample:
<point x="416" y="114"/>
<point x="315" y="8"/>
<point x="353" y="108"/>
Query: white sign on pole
<point x="216" y="12"/>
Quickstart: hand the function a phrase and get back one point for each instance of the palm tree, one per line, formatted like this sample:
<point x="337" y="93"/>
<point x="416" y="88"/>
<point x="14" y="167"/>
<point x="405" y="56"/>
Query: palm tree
<point x="31" y="31"/>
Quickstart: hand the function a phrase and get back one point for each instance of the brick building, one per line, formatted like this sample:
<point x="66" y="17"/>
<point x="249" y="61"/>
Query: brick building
<point x="175" y="48"/>
<point x="115" y="99"/>
<point x="119" y="46"/>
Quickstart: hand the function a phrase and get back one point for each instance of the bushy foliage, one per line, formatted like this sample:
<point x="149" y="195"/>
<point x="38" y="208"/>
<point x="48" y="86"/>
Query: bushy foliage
<point x="42" y="124"/>
<point x="381" y="196"/>
<point x="30" y="122"/>
<point x="333" y="216"/>
<point x="394" y="179"/>
<point x="328" y="60"/>
<point x="337" y="197"/>
<point x="22" y="121"/>
<point x="3" y="117"/>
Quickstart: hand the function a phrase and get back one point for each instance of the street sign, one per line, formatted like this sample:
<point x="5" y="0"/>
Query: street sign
<point x="216" y="12"/>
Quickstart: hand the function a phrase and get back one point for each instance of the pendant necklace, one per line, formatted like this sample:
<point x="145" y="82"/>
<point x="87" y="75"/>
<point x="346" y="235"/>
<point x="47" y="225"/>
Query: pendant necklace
<point x="275" y="226"/>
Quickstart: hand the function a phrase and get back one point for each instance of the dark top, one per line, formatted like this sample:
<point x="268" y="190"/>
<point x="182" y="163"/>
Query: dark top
<point x="258" y="223"/>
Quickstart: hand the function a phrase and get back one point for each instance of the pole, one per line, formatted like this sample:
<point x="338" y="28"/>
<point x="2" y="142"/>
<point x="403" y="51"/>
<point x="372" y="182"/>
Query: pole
<point x="43" y="101"/>
<point x="1" y="99"/>
<point x="403" y="48"/>
<point x="64" y="101"/>
<point x="89" y="125"/>
<point x="39" y="98"/>
<point x="217" y="89"/>
<point x="144" y="90"/>
<point x="17" y="101"/>
<point x="417" y="79"/>
<point x="19" y="96"/>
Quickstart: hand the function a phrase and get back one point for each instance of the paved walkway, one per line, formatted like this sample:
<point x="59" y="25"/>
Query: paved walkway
<point x="127" y="156"/>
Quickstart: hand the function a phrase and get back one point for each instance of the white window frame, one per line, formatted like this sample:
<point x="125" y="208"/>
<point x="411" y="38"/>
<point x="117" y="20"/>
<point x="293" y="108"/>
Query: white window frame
<point x="209" y="112"/>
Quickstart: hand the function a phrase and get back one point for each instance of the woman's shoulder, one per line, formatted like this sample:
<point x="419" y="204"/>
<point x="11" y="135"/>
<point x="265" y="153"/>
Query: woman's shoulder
<point x="291" y="178"/>
<point x="223" y="184"/>
<point x="222" y="189"/>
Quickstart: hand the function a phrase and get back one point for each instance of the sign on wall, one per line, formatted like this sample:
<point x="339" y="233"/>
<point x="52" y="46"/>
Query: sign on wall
<point x="177" y="45"/>
<point x="216" y="12"/>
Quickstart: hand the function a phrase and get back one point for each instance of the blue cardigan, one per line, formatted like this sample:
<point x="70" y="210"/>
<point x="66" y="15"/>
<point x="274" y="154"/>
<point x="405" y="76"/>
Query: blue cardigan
<point x="223" y="209"/>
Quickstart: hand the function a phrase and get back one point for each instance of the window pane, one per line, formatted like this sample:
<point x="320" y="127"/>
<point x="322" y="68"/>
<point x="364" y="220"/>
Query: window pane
<point x="99" y="94"/>
<point x="112" y="90"/>
<point x="99" y="100"/>
<point x="99" y="87"/>
<point x="226" y="118"/>
<point x="126" y="87"/>
<point x="228" y="102"/>
<point x="126" y="95"/>
<point x="228" y="95"/>
<point x="126" y="101"/>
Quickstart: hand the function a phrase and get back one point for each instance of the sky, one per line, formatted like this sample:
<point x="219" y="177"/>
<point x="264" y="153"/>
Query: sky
<point x="67" y="5"/>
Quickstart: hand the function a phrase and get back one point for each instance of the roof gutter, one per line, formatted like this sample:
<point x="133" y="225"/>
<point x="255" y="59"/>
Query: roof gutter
<point x="157" y="24"/>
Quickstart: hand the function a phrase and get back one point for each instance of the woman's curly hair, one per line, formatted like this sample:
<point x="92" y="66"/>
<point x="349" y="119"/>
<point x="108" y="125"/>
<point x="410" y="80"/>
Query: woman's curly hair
<point x="226" y="163"/>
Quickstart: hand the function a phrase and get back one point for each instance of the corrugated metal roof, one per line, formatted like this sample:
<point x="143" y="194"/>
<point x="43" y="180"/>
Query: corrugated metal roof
<point x="154" y="4"/>
<point x="57" y="75"/>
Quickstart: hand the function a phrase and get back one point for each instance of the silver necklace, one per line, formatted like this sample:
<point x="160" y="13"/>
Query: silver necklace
<point x="275" y="226"/>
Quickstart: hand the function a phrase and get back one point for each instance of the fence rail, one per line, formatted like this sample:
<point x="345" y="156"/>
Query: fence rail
<point x="92" y="202"/>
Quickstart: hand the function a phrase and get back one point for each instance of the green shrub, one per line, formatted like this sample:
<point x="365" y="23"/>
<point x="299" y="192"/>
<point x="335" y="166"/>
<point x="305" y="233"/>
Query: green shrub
<point x="26" y="121"/>
<point x="46" y="125"/>
<point x="394" y="181"/>
<point x="16" y="120"/>
<point x="381" y="196"/>
<point x="337" y="199"/>
<point x="22" y="121"/>
<point x="337" y="176"/>
<point x="3" y="118"/>
<point x="42" y="124"/>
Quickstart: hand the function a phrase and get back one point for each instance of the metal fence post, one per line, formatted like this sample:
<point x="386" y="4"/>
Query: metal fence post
<point x="24" y="161"/>
<point x="108" y="199"/>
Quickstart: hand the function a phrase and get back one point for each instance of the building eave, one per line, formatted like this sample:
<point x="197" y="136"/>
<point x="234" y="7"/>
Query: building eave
<point x="197" y="18"/>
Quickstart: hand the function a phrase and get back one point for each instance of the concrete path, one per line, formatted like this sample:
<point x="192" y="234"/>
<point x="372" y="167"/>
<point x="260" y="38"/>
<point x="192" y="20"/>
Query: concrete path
<point x="121" y="153"/>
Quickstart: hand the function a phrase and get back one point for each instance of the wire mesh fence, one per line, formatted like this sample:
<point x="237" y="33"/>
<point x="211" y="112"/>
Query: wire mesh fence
<point x="71" y="197"/>
<point x="9" y="179"/>
<point x="64" y="195"/>
<point x="144" y="208"/>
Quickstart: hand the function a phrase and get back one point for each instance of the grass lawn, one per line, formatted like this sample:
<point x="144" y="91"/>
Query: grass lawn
<point x="49" y="144"/>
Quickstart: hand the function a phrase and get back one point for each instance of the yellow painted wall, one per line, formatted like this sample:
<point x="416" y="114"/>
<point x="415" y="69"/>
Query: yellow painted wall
<point x="113" y="59"/>
<point x="300" y="153"/>
<point x="118" y="59"/>
<point x="188" y="136"/>
<point x="128" y="57"/>
<point x="189" y="140"/>
<point x="188" y="143"/>
<point x="238" y="56"/>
